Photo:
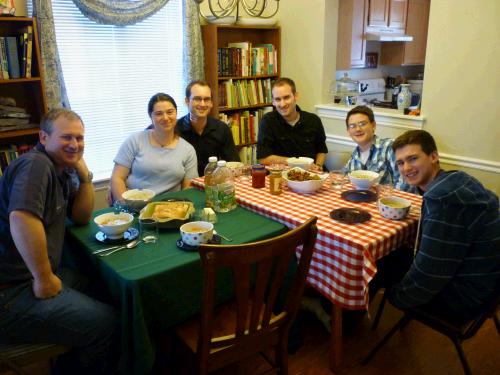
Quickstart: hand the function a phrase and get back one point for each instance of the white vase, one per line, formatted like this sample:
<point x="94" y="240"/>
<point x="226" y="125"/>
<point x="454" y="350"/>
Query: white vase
<point x="404" y="97"/>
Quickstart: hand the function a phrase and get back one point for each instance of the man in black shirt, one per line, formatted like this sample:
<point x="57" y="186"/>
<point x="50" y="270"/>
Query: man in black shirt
<point x="288" y="131"/>
<point x="209" y="136"/>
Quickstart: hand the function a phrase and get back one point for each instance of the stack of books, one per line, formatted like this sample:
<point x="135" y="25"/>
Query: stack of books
<point x="12" y="117"/>
<point x="245" y="92"/>
<point x="16" y="53"/>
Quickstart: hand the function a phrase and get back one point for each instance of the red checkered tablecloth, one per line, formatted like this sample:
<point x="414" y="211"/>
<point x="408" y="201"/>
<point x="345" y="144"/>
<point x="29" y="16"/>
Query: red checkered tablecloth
<point x="344" y="256"/>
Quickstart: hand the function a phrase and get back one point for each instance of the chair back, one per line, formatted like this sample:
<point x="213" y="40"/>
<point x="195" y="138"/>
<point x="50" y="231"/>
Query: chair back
<point x="258" y="275"/>
<point x="488" y="310"/>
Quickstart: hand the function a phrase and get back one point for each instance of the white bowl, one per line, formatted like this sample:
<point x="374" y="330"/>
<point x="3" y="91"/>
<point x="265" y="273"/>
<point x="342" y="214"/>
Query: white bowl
<point x="228" y="20"/>
<point x="136" y="199"/>
<point x="308" y="186"/>
<point x="235" y="167"/>
<point x="394" y="208"/>
<point x="363" y="180"/>
<point x="254" y="21"/>
<point x="301" y="162"/>
<point x="196" y="233"/>
<point x="114" y="225"/>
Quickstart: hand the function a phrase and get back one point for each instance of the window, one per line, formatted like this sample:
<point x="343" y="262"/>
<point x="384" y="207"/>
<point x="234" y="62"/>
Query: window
<point x="111" y="72"/>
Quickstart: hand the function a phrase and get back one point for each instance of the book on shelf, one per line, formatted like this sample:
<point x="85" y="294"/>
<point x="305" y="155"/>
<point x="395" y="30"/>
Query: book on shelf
<point x="13" y="57"/>
<point x="10" y="153"/>
<point x="242" y="59"/>
<point x="4" y="64"/>
<point x="248" y="154"/>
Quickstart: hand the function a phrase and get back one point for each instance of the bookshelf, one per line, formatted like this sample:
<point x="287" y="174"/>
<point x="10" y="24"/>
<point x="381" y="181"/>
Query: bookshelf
<point x="240" y="64"/>
<point x="28" y="93"/>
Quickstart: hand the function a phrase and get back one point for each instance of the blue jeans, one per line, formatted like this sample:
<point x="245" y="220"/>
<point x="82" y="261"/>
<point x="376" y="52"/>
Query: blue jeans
<point x="71" y="318"/>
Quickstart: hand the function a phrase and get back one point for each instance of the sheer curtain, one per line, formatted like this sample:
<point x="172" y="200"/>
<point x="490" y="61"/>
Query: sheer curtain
<point x="110" y="72"/>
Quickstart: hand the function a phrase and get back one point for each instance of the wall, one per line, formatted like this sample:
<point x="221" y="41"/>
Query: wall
<point x="461" y="78"/>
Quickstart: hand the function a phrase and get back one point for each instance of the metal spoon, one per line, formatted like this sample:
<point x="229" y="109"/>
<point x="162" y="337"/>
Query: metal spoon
<point x="223" y="237"/>
<point x="130" y="245"/>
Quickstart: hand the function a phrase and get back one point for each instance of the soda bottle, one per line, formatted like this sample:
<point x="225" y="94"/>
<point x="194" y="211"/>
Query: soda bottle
<point x="224" y="194"/>
<point x="209" y="185"/>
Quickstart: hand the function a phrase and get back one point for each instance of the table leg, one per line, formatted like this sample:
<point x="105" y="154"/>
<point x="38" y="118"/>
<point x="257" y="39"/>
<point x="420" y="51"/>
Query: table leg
<point x="336" y="338"/>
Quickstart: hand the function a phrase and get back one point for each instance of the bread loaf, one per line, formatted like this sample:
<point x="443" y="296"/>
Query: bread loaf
<point x="170" y="210"/>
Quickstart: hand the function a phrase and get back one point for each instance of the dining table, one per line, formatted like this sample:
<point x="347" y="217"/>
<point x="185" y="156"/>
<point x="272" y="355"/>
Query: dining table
<point x="158" y="285"/>
<point x="345" y="255"/>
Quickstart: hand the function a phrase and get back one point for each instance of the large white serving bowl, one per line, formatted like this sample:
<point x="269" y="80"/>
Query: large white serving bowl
<point x="301" y="162"/>
<point x="235" y="167"/>
<point x="114" y="225"/>
<point x="306" y="187"/>
<point x="363" y="180"/>
<point x="136" y="199"/>
<point x="394" y="208"/>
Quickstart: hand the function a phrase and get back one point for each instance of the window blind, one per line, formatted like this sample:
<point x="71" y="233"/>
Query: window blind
<point x="111" y="72"/>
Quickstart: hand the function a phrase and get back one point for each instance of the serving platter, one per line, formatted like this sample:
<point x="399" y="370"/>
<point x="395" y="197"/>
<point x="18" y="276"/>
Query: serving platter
<point x="168" y="223"/>
<point x="348" y="215"/>
<point x="365" y="196"/>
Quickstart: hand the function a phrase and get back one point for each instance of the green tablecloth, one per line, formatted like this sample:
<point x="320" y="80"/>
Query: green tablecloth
<point x="158" y="285"/>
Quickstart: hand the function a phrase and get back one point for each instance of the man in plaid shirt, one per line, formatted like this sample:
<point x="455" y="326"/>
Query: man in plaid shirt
<point x="371" y="153"/>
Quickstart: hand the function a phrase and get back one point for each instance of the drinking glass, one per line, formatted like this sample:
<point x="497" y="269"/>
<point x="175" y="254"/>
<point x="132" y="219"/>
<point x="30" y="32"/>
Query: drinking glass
<point x="149" y="230"/>
<point x="337" y="179"/>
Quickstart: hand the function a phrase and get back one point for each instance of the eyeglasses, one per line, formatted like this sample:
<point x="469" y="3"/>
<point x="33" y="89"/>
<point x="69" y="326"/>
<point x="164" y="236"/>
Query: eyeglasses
<point x="361" y="124"/>
<point x="199" y="99"/>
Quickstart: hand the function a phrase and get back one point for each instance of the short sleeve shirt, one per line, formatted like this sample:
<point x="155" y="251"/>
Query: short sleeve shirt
<point x="31" y="183"/>
<point x="277" y="137"/>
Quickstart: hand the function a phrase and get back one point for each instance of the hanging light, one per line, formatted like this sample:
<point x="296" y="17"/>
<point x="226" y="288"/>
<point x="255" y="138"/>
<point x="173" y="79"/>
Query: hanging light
<point x="254" y="8"/>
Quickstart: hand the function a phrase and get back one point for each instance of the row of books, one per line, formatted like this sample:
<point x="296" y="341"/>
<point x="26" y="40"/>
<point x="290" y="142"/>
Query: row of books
<point x="242" y="59"/>
<point x="244" y="125"/>
<point x="248" y="154"/>
<point x="241" y="93"/>
<point x="10" y="153"/>
<point x="16" y="53"/>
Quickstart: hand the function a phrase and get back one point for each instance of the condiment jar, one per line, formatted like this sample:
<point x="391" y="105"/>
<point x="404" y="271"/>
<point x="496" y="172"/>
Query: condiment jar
<point x="258" y="176"/>
<point x="275" y="182"/>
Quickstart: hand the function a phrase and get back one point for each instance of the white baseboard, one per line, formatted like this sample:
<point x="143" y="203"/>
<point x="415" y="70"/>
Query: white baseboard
<point x="450" y="159"/>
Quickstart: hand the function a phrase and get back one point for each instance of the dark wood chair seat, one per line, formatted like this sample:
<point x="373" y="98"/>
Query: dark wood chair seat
<point x="16" y="356"/>
<point x="250" y="323"/>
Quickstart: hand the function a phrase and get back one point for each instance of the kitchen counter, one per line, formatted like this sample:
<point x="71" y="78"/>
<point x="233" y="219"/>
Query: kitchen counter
<point x="383" y="116"/>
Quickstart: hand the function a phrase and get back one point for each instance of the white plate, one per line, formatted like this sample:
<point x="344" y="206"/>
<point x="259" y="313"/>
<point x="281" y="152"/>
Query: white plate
<point x="254" y="21"/>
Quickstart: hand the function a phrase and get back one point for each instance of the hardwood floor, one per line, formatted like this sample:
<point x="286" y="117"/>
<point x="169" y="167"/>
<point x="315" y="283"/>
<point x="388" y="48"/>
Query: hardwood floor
<point x="416" y="350"/>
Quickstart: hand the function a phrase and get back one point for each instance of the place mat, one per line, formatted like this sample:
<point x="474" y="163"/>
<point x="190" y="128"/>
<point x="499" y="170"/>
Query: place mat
<point x="128" y="235"/>
<point x="365" y="196"/>
<point x="216" y="240"/>
<point x="350" y="215"/>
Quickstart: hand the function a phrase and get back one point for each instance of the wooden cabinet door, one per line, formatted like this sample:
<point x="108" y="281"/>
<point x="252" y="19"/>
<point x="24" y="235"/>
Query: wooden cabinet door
<point x="417" y="25"/>
<point x="378" y="13"/>
<point x="351" y="42"/>
<point x="397" y="14"/>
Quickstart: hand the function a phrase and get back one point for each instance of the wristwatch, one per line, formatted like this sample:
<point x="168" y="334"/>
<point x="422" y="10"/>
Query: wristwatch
<point x="90" y="177"/>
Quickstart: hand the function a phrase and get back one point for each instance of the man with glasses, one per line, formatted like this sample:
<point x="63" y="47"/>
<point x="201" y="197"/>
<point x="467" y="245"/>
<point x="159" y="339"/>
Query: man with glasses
<point x="288" y="131"/>
<point x="371" y="153"/>
<point x="209" y="136"/>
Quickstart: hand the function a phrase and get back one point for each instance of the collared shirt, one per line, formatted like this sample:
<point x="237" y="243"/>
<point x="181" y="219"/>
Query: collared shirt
<point x="215" y="140"/>
<point x="381" y="160"/>
<point x="277" y="137"/>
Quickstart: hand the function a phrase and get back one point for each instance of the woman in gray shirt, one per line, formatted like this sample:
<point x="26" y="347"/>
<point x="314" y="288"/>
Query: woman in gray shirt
<point x="156" y="158"/>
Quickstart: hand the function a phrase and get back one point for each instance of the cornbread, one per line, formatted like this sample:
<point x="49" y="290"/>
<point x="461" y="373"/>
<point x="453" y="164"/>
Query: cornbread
<point x="170" y="210"/>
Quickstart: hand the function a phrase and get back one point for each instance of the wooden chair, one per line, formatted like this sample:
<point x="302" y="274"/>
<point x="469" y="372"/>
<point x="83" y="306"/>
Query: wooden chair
<point x="455" y="332"/>
<point x="249" y="324"/>
<point x="16" y="356"/>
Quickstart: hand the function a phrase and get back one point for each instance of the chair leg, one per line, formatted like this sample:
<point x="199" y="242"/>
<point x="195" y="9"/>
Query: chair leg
<point x="380" y="309"/>
<point x="399" y="325"/>
<point x="497" y="322"/>
<point x="462" y="357"/>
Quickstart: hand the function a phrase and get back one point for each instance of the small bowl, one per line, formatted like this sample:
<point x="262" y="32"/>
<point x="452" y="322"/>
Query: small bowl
<point x="308" y="186"/>
<point x="363" y="180"/>
<point x="301" y="162"/>
<point x="196" y="233"/>
<point x="394" y="208"/>
<point x="114" y="225"/>
<point x="236" y="167"/>
<point x="136" y="199"/>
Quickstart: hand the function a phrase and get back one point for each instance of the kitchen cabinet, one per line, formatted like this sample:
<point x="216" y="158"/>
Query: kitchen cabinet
<point x="409" y="53"/>
<point x="351" y="43"/>
<point x="387" y="16"/>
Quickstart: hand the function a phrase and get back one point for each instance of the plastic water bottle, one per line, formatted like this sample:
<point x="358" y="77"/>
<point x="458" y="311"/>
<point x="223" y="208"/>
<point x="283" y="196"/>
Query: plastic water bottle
<point x="209" y="184"/>
<point x="224" y="193"/>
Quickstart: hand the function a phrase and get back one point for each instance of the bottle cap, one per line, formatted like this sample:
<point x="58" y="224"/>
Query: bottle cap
<point x="212" y="159"/>
<point x="221" y="163"/>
